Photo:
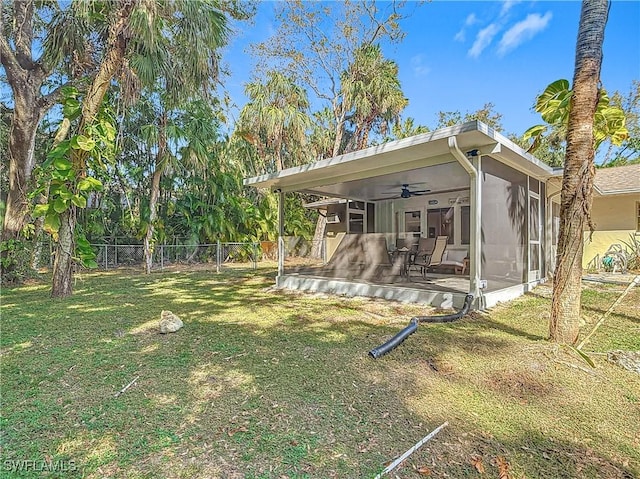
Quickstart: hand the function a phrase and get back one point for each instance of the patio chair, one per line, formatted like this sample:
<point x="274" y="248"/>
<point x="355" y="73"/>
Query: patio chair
<point x="427" y="260"/>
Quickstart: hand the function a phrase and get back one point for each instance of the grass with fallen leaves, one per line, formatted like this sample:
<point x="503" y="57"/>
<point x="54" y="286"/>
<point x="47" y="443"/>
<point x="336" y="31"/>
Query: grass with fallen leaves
<point x="271" y="384"/>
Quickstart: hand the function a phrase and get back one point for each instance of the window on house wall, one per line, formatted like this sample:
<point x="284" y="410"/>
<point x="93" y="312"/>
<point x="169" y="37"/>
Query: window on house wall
<point x="412" y="223"/>
<point x="638" y="217"/>
<point x="440" y="223"/>
<point x="357" y="220"/>
<point x="371" y="217"/>
<point x="555" y="226"/>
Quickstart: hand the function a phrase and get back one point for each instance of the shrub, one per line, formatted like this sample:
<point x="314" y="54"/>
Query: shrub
<point x="633" y="252"/>
<point x="15" y="261"/>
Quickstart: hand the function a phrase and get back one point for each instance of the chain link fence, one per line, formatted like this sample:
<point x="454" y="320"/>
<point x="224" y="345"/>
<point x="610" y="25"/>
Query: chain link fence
<point x="239" y="255"/>
<point x="219" y="255"/>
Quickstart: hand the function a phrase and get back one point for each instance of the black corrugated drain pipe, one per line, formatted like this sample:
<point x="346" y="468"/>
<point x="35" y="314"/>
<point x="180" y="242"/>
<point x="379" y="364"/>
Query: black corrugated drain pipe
<point x="394" y="342"/>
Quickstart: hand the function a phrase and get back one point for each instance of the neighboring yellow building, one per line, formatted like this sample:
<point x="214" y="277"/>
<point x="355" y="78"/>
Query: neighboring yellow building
<point x="615" y="211"/>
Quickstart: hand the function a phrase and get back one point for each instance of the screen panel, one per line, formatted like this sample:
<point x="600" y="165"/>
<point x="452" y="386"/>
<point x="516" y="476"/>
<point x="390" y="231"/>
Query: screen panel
<point x="504" y="224"/>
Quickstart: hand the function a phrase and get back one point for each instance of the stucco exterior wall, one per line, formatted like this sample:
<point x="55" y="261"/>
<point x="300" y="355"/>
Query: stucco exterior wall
<point x="615" y="219"/>
<point x="615" y="212"/>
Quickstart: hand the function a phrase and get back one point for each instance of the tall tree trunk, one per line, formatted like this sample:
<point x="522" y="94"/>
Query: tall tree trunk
<point x="119" y="37"/>
<point x="339" y="115"/>
<point x="318" y="237"/>
<point x="63" y="262"/>
<point x="153" y="215"/>
<point x="22" y="137"/>
<point x="579" y="170"/>
<point x="321" y="223"/>
<point x="25" y="77"/>
<point x="155" y="191"/>
<point x="363" y="134"/>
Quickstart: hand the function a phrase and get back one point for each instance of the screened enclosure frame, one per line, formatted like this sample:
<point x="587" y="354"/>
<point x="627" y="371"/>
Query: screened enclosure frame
<point x="505" y="193"/>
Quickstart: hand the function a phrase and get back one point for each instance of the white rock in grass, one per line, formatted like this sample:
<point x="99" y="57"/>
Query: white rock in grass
<point x="169" y="322"/>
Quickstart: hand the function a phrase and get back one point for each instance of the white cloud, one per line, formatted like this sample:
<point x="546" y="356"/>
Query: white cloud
<point x="523" y="31"/>
<point x="483" y="40"/>
<point x="469" y="21"/>
<point x="506" y="6"/>
<point x="418" y="66"/>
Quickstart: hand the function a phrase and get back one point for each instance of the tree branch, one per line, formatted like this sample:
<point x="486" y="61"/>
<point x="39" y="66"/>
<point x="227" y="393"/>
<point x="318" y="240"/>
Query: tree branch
<point x="23" y="19"/>
<point x="8" y="59"/>
<point x="50" y="99"/>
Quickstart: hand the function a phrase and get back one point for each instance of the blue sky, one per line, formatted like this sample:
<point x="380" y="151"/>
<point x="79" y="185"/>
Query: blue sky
<point x="461" y="55"/>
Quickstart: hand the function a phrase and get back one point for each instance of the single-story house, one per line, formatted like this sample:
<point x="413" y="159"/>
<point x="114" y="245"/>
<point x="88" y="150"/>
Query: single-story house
<point x="615" y="212"/>
<point x="482" y="205"/>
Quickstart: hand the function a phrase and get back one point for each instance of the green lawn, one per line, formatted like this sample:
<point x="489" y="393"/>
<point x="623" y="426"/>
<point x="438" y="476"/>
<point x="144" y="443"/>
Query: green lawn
<point x="270" y="384"/>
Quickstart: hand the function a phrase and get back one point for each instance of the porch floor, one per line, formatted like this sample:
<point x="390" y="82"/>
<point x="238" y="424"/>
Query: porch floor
<point x="385" y="277"/>
<point x="435" y="289"/>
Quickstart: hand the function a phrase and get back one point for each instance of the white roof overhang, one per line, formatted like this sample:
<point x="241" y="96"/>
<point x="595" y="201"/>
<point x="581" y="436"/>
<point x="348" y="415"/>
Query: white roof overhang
<point x="411" y="160"/>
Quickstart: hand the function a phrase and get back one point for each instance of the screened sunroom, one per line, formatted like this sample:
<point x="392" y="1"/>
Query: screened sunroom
<point x="425" y="219"/>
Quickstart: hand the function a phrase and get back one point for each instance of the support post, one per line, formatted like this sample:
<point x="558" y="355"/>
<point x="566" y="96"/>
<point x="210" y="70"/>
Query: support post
<point x="106" y="257"/>
<point x="550" y="257"/>
<point x="475" y="251"/>
<point x="218" y="256"/>
<point x="281" y="251"/>
<point x="255" y="256"/>
<point x="475" y="199"/>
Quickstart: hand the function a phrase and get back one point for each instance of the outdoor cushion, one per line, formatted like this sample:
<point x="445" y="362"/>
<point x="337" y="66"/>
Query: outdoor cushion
<point x="454" y="258"/>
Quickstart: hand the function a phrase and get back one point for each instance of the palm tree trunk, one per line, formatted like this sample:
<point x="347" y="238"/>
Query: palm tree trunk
<point x="155" y="191"/>
<point x="339" y="115"/>
<point x="153" y="214"/>
<point x="321" y="222"/>
<point x="579" y="170"/>
<point x="363" y="134"/>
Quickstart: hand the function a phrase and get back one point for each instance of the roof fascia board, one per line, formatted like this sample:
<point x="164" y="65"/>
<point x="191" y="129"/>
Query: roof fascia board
<point x="515" y="148"/>
<point x="626" y="191"/>
<point x="515" y="157"/>
<point x="368" y="152"/>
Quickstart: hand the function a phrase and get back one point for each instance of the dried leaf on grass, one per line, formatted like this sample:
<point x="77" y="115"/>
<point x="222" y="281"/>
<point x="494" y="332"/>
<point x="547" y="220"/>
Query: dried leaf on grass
<point x="231" y="432"/>
<point x="476" y="461"/>
<point x="424" y="471"/>
<point x="503" y="468"/>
